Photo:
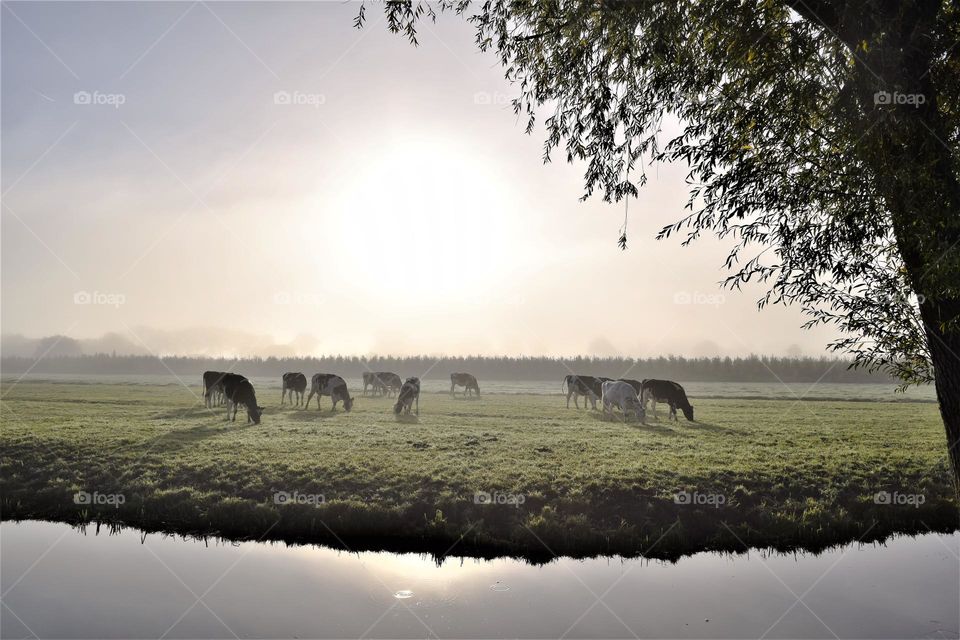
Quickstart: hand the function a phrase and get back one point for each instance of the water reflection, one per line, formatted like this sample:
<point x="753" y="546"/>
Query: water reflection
<point x="60" y="582"/>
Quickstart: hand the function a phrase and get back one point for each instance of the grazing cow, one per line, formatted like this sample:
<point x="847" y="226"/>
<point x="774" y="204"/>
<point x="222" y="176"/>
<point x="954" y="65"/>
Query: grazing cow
<point x="587" y="386"/>
<point x="330" y="384"/>
<point x="213" y="388"/>
<point x="389" y="382"/>
<point x="409" y="393"/>
<point x="370" y="379"/>
<point x="636" y="384"/>
<point x="465" y="380"/>
<point x="382" y="382"/>
<point x="296" y="385"/>
<point x="620" y="394"/>
<point x="669" y="392"/>
<point x="239" y="391"/>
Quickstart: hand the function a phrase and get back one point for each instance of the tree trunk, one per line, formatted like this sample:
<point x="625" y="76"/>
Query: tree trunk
<point x="905" y="146"/>
<point x="945" y="353"/>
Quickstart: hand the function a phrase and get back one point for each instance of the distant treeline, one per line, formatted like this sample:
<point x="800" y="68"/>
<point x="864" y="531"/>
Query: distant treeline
<point x="750" y="369"/>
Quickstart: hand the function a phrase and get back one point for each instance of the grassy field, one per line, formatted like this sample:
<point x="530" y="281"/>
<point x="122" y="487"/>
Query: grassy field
<point x="765" y="473"/>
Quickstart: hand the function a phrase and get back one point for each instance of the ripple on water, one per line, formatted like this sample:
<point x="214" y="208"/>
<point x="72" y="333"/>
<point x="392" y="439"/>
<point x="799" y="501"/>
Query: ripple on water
<point x="499" y="586"/>
<point x="403" y="594"/>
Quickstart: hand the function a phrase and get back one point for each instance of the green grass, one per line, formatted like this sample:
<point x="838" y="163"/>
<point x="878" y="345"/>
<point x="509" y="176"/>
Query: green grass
<point x="791" y="474"/>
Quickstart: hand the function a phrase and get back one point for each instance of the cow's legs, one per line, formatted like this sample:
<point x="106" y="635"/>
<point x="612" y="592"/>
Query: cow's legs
<point x="309" y="397"/>
<point x="418" y="404"/>
<point x="283" y="394"/>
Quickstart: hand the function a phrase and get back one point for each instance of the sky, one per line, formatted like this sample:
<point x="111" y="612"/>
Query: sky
<point x="263" y="178"/>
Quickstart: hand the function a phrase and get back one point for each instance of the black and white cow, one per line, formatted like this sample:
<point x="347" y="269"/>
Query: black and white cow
<point x="390" y="382"/>
<point x="666" y="391"/>
<point x="588" y="386"/>
<point x="213" y="388"/>
<point x="621" y="394"/>
<point x="465" y="380"/>
<point x="330" y="384"/>
<point x="382" y="382"/>
<point x="239" y="391"/>
<point x="296" y="385"/>
<point x="409" y="393"/>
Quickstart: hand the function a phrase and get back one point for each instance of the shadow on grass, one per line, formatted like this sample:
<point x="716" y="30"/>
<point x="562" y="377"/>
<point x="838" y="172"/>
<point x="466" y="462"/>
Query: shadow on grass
<point x="407" y="418"/>
<point x="180" y="438"/>
<point x="706" y="426"/>
<point x="193" y="412"/>
<point x="311" y="415"/>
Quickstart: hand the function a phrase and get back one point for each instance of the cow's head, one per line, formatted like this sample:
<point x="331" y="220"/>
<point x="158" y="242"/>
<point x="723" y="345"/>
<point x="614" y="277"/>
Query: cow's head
<point x="348" y="403"/>
<point x="635" y="407"/>
<point x="255" y="413"/>
<point x="688" y="412"/>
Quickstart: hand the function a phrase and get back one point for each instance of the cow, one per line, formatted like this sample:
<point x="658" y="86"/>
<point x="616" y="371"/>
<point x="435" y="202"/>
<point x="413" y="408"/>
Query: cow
<point x="213" y="388"/>
<point x="239" y="391"/>
<point x="587" y="386"/>
<point x="669" y="392"/>
<point x="389" y="382"/>
<point x="621" y="394"/>
<point x="409" y="393"/>
<point x="370" y="379"/>
<point x="296" y="385"/>
<point x="383" y="382"/>
<point x="330" y="384"/>
<point x="465" y="380"/>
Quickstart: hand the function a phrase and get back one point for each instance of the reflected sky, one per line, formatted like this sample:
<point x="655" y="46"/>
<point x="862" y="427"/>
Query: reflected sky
<point x="60" y="582"/>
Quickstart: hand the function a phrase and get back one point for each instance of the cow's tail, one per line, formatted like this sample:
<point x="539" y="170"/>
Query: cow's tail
<point x="564" y="384"/>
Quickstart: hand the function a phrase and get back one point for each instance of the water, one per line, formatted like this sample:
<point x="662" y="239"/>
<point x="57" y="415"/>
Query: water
<point x="772" y="390"/>
<point x="61" y="583"/>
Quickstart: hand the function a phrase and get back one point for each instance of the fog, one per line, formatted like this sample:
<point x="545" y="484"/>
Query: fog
<point x="254" y="179"/>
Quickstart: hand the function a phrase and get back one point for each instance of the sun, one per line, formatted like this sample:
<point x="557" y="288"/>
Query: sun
<point x="426" y="218"/>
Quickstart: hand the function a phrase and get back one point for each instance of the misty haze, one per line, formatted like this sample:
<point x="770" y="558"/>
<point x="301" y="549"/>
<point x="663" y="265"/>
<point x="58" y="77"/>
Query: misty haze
<point x="581" y="319"/>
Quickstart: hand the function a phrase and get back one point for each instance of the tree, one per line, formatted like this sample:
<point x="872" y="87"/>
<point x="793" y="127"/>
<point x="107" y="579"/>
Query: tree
<point x="820" y="134"/>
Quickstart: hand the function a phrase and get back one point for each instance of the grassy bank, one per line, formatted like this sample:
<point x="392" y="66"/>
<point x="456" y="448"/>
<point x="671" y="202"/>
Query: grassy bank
<point x="767" y="473"/>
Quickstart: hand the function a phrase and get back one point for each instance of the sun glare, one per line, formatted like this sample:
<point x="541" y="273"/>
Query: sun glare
<point x="427" y="218"/>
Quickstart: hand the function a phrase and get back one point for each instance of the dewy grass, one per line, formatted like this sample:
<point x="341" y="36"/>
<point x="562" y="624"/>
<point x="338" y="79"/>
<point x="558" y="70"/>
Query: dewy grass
<point x="517" y="474"/>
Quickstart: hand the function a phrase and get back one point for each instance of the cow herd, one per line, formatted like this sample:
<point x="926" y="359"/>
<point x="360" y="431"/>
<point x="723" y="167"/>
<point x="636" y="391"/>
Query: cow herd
<point x="629" y="396"/>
